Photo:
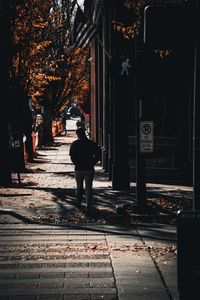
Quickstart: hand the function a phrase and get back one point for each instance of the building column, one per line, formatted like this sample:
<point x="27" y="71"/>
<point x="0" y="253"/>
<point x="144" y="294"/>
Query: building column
<point x="93" y="110"/>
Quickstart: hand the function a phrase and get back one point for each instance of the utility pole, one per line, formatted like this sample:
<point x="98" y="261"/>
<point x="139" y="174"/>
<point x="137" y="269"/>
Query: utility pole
<point x="140" y="159"/>
<point x="140" y="165"/>
<point x="196" y="119"/>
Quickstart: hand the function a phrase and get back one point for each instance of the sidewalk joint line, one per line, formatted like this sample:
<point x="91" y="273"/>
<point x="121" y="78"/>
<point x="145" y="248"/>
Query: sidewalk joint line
<point x="156" y="266"/>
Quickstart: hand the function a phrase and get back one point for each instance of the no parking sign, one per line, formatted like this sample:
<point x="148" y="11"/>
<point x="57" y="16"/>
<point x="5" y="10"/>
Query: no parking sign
<point x="146" y="137"/>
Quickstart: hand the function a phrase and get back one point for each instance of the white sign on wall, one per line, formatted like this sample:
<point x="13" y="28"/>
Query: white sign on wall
<point x="146" y="137"/>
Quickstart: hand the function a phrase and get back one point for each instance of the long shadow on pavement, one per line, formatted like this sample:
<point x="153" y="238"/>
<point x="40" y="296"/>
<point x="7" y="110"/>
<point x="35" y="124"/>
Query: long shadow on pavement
<point x="103" y="213"/>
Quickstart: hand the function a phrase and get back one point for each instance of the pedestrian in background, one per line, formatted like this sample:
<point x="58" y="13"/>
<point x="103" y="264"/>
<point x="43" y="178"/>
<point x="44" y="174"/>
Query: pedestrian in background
<point x="84" y="154"/>
<point x="39" y="129"/>
<point x="64" y="123"/>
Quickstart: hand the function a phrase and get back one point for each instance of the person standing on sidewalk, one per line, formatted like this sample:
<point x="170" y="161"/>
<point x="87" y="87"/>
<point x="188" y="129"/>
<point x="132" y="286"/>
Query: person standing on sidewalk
<point x="84" y="154"/>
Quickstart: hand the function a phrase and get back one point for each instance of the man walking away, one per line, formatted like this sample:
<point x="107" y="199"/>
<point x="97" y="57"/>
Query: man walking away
<point x="84" y="154"/>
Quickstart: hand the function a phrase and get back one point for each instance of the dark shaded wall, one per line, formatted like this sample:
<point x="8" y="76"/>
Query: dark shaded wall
<point x="163" y="86"/>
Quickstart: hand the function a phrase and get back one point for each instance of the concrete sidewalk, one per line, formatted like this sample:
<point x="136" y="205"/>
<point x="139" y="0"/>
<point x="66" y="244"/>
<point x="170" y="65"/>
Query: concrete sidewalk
<point x="83" y="262"/>
<point x="52" y="250"/>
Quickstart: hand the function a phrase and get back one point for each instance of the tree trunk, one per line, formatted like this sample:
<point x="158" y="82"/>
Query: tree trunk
<point x="5" y="59"/>
<point x="47" y="125"/>
<point x="5" y="171"/>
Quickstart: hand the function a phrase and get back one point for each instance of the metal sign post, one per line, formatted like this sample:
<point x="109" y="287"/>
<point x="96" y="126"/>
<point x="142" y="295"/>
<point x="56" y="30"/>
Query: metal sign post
<point x="196" y="129"/>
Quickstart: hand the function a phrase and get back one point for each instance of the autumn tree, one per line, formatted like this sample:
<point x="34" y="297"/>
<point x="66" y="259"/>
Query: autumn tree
<point x="41" y="57"/>
<point x="52" y="71"/>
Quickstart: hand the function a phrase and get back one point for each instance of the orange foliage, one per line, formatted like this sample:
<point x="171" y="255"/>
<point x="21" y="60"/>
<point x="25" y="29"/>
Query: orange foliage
<point x="134" y="29"/>
<point x="43" y="59"/>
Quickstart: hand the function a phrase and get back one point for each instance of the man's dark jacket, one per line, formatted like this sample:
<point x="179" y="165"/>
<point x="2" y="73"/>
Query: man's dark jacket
<point x="84" y="153"/>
